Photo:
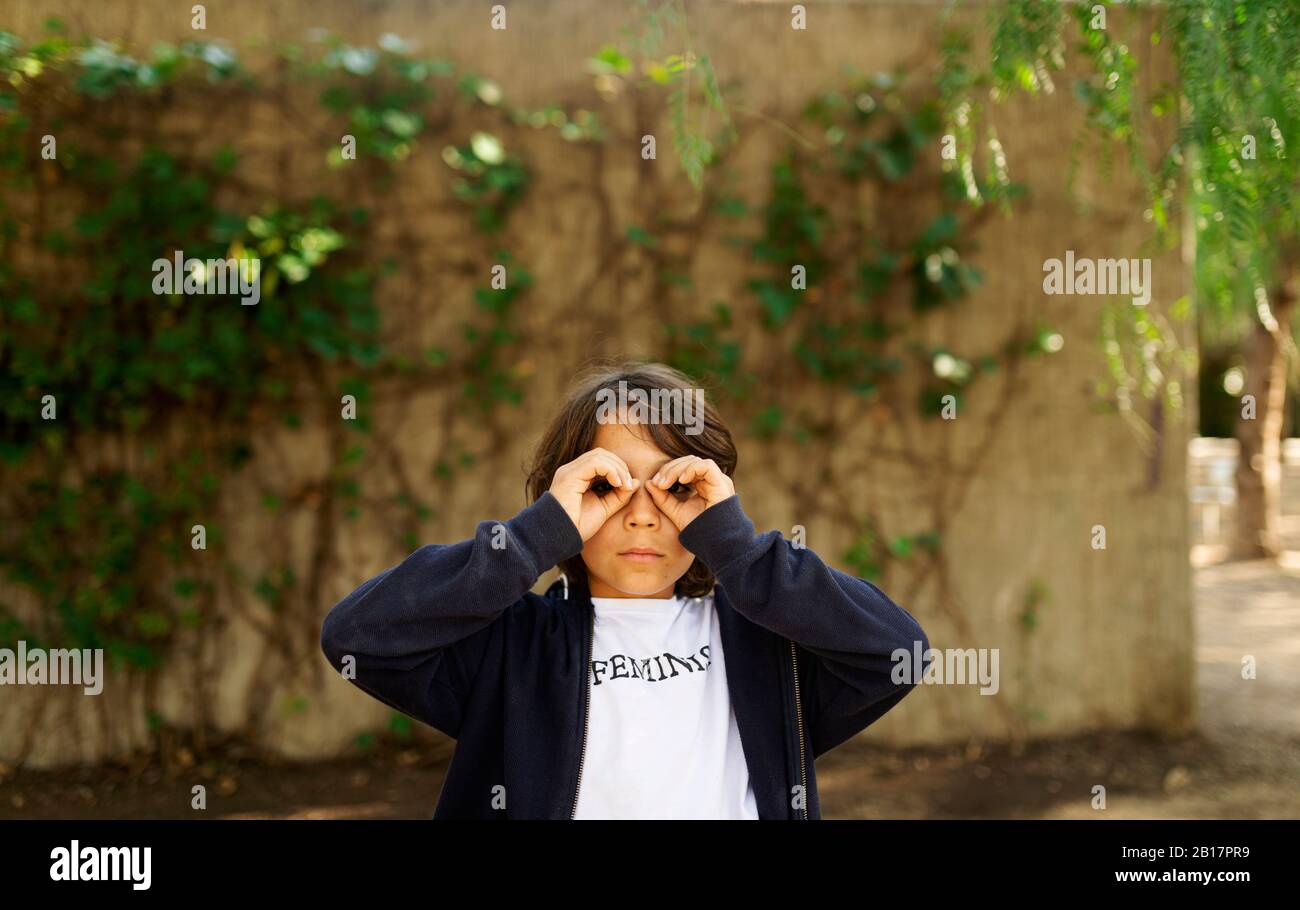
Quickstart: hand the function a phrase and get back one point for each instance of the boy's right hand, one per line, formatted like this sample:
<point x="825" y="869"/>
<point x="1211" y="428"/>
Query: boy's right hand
<point x="573" y="483"/>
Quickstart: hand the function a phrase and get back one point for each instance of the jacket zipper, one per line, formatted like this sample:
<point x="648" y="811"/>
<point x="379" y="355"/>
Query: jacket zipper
<point x="586" y="707"/>
<point x="798" y="714"/>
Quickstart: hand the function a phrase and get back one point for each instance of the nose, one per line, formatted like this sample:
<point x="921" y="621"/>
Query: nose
<point x="641" y="511"/>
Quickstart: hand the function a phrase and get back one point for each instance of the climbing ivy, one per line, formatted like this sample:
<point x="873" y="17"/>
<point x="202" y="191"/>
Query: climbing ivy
<point x="106" y="550"/>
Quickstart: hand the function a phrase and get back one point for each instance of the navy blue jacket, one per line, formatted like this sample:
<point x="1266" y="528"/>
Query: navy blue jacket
<point x="455" y="637"/>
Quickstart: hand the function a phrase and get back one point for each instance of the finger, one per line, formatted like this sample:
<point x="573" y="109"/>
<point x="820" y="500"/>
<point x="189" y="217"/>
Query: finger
<point x="618" y="465"/>
<point x="610" y="467"/>
<point x="588" y="466"/>
<point x="618" y="500"/>
<point x="617" y="480"/>
<point x="658" y="478"/>
<point x="614" y="473"/>
<point x="621" y="481"/>
<point x="690" y="472"/>
<point x="709" y="467"/>
<point x="669" y="472"/>
<point x="707" y="470"/>
<point x="664" y="501"/>
<point x="674" y="508"/>
<point x="624" y="471"/>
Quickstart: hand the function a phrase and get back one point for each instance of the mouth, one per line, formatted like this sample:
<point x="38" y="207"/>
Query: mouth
<point x="641" y="554"/>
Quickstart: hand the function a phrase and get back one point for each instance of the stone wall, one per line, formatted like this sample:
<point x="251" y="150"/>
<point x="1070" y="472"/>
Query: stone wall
<point x="1110" y="644"/>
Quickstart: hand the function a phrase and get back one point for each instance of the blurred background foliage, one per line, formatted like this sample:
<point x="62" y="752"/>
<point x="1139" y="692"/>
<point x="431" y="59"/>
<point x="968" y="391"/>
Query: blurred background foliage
<point x="1228" y="172"/>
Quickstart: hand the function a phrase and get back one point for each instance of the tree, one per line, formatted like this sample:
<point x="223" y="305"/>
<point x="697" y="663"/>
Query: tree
<point x="1238" y="103"/>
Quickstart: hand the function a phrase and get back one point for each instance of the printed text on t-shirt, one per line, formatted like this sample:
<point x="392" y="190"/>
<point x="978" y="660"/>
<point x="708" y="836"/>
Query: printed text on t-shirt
<point x="648" y="669"/>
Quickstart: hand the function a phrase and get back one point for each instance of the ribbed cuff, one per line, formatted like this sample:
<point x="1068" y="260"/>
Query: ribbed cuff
<point x="545" y="532"/>
<point x="719" y="534"/>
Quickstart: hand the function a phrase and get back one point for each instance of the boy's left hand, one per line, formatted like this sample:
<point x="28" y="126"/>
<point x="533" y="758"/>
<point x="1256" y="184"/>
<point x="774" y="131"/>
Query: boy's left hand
<point x="709" y="486"/>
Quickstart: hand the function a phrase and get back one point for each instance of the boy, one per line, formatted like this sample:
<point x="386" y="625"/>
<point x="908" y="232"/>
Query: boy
<point x="683" y="667"/>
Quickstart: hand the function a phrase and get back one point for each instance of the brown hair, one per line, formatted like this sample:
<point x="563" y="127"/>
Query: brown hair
<point x="572" y="431"/>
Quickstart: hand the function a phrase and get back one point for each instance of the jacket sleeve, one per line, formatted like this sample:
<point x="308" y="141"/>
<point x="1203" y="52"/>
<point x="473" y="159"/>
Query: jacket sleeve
<point x="848" y="626"/>
<point x="418" y="632"/>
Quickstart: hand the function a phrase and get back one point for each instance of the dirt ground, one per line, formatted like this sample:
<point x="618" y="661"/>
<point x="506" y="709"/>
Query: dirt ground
<point x="1243" y="763"/>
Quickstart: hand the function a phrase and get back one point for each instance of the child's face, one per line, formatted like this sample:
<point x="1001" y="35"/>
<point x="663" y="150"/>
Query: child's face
<point x="639" y="524"/>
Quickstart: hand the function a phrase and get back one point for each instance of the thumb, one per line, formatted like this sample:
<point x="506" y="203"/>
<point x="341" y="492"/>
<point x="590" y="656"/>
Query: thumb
<point x="623" y="493"/>
<point x="663" y="499"/>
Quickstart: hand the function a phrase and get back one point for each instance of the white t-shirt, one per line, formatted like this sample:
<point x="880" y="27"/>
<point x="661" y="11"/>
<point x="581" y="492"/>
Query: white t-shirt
<point x="662" y="740"/>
